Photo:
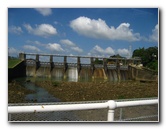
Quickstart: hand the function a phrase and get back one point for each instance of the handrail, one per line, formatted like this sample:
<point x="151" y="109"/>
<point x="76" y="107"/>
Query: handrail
<point x="111" y="105"/>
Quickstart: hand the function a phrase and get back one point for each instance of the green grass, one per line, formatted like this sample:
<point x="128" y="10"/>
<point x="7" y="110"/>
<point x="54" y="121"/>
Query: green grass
<point x="13" y="62"/>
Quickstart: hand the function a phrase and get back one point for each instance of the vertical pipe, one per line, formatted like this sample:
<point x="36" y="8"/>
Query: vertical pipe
<point x="121" y="111"/>
<point x="9" y="117"/>
<point x="111" y="110"/>
<point x="110" y="117"/>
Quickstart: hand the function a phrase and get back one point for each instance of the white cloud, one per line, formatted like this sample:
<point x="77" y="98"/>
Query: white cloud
<point x="109" y="51"/>
<point x="13" y="52"/>
<point x="154" y="36"/>
<point x="36" y="43"/>
<point x="70" y="46"/>
<point x="77" y="49"/>
<point x="67" y="42"/>
<point x="98" y="51"/>
<point x="44" y="11"/>
<point x="54" y="47"/>
<point x="99" y="29"/>
<point x="44" y="30"/>
<point x="15" y="30"/>
<point x="31" y="48"/>
<point x="123" y="52"/>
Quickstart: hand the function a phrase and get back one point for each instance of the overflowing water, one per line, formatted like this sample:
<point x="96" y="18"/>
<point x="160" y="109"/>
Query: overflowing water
<point x="72" y="74"/>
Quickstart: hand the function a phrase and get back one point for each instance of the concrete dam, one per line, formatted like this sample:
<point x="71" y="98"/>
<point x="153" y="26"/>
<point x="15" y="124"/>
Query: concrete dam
<point x="118" y="69"/>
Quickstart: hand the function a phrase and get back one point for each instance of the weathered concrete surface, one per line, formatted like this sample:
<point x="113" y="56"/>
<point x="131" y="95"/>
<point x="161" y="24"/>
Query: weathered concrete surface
<point x="142" y="74"/>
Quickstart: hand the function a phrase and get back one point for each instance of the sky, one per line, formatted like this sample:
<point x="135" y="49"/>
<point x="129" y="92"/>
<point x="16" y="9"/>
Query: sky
<point x="82" y="31"/>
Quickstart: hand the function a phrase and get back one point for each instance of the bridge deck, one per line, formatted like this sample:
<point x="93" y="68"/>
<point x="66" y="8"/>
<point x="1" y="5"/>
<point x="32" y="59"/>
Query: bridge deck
<point x="73" y="56"/>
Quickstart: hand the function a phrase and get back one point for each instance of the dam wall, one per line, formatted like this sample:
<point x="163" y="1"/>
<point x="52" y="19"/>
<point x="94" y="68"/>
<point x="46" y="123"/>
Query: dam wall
<point x="113" y="69"/>
<point x="72" y="72"/>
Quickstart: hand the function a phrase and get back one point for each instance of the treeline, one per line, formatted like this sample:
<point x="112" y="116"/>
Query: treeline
<point x="148" y="56"/>
<point x="98" y="61"/>
<point x="11" y="57"/>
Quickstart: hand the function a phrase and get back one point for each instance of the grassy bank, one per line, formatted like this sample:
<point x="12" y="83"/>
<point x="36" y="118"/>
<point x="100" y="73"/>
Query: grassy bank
<point x="13" y="62"/>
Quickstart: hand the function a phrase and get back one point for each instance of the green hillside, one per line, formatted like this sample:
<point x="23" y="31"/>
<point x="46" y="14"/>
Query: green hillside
<point x="13" y="62"/>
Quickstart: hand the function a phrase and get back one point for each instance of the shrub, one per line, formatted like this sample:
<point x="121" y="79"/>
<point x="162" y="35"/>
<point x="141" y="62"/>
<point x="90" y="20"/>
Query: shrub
<point x="55" y="83"/>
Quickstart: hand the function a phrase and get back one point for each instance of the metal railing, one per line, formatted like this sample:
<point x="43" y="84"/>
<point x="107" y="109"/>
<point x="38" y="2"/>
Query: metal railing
<point x="111" y="105"/>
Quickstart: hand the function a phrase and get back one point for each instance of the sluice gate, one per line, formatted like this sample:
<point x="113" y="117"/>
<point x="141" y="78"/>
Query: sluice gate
<point x="117" y="70"/>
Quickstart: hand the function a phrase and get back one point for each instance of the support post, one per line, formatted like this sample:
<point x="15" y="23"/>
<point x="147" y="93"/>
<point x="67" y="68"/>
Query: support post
<point x="65" y="63"/>
<point x="51" y="58"/>
<point x="104" y="64"/>
<point x="105" y="67"/>
<point x="37" y="58"/>
<point x="37" y="62"/>
<point x="51" y="62"/>
<point x="92" y="65"/>
<point x="22" y="56"/>
<point x="9" y="116"/>
<point x="118" y="69"/>
<point x="111" y="109"/>
<point x="78" y="64"/>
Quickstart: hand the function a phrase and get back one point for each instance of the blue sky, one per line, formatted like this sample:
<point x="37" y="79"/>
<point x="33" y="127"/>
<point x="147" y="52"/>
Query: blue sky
<point x="81" y="31"/>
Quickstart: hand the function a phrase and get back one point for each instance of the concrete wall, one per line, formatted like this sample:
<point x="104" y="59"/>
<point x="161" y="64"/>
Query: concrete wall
<point x="133" y="73"/>
<point x="142" y="74"/>
<point x="84" y="73"/>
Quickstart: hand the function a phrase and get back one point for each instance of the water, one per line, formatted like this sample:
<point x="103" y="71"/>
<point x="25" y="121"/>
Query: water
<point x="40" y="95"/>
<point x="57" y="74"/>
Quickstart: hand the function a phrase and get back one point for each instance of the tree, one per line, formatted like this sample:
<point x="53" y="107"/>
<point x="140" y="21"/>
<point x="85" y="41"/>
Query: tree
<point x="97" y="61"/>
<point x="149" y="56"/>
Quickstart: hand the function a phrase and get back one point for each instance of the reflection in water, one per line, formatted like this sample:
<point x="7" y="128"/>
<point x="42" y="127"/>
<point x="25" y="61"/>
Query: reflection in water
<point x="41" y="94"/>
<point x="57" y="74"/>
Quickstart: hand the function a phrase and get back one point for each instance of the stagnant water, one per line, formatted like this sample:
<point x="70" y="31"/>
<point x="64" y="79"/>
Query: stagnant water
<point x="40" y="95"/>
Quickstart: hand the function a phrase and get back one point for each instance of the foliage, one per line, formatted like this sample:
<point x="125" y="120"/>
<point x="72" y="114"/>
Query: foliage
<point x="55" y="83"/>
<point x="149" y="56"/>
<point x="116" y="56"/>
<point x="110" y="61"/>
<point x="153" y="65"/>
<point x="97" y="61"/>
